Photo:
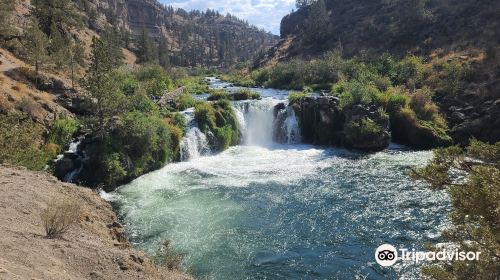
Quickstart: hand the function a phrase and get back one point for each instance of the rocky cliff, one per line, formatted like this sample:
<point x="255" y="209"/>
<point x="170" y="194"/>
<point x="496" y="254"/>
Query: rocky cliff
<point x="193" y="38"/>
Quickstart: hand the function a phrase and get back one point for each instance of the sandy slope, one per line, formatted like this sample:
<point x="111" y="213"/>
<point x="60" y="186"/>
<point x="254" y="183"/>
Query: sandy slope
<point x="90" y="250"/>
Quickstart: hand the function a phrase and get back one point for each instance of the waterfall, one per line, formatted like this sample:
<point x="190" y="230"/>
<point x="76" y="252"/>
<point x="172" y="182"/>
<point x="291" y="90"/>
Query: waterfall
<point x="195" y="143"/>
<point x="261" y="122"/>
<point x="256" y="119"/>
<point x="286" y="126"/>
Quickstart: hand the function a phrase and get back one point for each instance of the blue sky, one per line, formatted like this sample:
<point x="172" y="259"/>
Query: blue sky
<point x="265" y="14"/>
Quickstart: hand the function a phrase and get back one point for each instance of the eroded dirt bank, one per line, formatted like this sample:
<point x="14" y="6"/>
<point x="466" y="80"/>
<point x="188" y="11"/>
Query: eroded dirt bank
<point x="95" y="248"/>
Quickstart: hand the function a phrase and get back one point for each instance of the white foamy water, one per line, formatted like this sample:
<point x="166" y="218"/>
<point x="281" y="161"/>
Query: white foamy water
<point x="263" y="210"/>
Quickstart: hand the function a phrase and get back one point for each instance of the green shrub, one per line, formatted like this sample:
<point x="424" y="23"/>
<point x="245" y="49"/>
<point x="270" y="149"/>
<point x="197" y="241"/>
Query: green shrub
<point x="185" y="101"/>
<point x="261" y="76"/>
<point x="409" y="71"/>
<point x="358" y="93"/>
<point x="294" y="97"/>
<point x="362" y="130"/>
<point x="114" y="170"/>
<point x="239" y="79"/>
<point x="245" y="94"/>
<point x="224" y="137"/>
<point x="138" y="143"/>
<point x="154" y="80"/>
<point x="194" y="85"/>
<point x="218" y="94"/>
<point x="204" y="115"/>
<point x="22" y="143"/>
<point x="393" y="99"/>
<point x="220" y="119"/>
<point x="62" y="130"/>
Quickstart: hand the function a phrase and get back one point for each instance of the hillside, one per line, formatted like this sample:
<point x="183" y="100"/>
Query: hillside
<point x="441" y="33"/>
<point x="94" y="248"/>
<point x="192" y="38"/>
<point x="398" y="27"/>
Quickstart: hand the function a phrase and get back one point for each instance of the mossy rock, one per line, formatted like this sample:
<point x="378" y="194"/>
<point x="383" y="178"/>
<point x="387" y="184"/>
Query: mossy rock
<point x="407" y="129"/>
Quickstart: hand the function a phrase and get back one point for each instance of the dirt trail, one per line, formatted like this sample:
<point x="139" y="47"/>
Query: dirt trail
<point x="92" y="249"/>
<point x="8" y="62"/>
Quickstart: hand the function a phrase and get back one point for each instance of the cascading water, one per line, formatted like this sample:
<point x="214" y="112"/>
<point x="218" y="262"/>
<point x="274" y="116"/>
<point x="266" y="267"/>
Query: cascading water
<point x="265" y="210"/>
<point x="256" y="120"/>
<point x="286" y="126"/>
<point x="195" y="143"/>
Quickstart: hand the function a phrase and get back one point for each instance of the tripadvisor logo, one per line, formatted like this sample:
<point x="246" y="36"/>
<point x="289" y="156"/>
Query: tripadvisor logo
<point x="387" y="255"/>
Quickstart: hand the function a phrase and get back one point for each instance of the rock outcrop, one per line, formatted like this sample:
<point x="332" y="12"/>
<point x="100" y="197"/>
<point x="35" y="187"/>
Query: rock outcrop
<point x="323" y="122"/>
<point x="320" y="119"/>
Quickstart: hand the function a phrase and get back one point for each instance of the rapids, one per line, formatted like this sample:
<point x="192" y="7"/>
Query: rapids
<point x="265" y="210"/>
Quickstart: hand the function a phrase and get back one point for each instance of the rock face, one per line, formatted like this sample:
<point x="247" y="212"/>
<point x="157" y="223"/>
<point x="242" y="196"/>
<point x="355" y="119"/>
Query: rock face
<point x="362" y="138"/>
<point x="320" y="119"/>
<point x="383" y="26"/>
<point x="193" y="39"/>
<point x="358" y="126"/>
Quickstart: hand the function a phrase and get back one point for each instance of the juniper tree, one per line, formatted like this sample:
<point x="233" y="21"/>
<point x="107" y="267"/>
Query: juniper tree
<point x="472" y="179"/>
<point x="103" y="95"/>
<point x="36" y="44"/>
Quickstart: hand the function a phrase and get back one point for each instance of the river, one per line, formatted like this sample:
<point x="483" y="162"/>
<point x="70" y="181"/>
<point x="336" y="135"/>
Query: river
<point x="264" y="210"/>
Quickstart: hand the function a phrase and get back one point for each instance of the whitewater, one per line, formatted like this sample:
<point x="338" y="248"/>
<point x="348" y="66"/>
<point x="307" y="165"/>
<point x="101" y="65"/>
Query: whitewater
<point x="268" y="210"/>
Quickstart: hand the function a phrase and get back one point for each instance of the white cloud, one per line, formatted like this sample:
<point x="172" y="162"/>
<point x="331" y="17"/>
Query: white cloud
<point x="265" y="14"/>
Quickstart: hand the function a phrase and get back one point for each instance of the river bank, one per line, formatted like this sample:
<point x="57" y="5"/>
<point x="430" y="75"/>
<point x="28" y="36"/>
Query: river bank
<point x="95" y="248"/>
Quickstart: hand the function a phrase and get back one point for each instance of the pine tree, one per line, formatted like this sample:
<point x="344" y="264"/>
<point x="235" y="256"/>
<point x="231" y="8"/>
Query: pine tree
<point x="475" y="214"/>
<point x="163" y="53"/>
<point x="112" y="40"/>
<point x="36" y="44"/>
<point x="103" y="93"/>
<point x="59" y="51"/>
<point x="77" y="57"/>
<point x="147" y="51"/>
<point x="62" y="13"/>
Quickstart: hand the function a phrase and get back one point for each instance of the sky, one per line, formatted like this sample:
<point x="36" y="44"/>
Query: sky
<point x="266" y="14"/>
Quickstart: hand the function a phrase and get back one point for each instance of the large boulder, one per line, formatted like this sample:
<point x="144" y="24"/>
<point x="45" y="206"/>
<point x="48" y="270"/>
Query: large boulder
<point x="366" y="128"/>
<point x="320" y="119"/>
<point x="407" y="129"/>
<point x="63" y="167"/>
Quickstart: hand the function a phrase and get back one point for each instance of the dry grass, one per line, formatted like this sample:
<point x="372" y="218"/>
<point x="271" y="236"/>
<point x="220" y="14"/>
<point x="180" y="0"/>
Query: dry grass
<point x="19" y="87"/>
<point x="5" y="104"/>
<point x="59" y="216"/>
<point x="32" y="109"/>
